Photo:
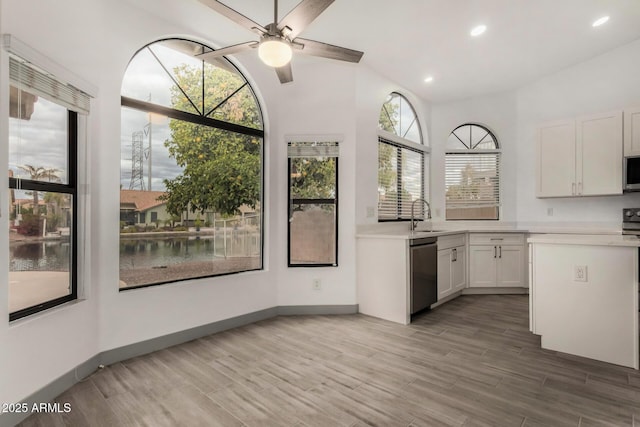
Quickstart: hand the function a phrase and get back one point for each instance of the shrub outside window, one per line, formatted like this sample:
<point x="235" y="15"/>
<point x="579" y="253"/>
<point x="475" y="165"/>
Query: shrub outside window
<point x="472" y="174"/>
<point x="191" y="168"/>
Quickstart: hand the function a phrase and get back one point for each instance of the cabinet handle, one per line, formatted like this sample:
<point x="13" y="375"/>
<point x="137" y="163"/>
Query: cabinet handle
<point x="573" y="189"/>
<point x="500" y="256"/>
<point x="579" y="188"/>
<point x="495" y="251"/>
<point x="455" y="254"/>
<point x="496" y="238"/>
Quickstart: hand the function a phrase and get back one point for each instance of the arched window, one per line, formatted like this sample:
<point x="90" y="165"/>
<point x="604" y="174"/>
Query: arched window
<point x="472" y="173"/>
<point x="401" y="160"/>
<point x="191" y="167"/>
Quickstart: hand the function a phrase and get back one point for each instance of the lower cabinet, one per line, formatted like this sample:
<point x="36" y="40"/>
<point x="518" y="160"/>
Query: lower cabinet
<point x="497" y="260"/>
<point x="452" y="266"/>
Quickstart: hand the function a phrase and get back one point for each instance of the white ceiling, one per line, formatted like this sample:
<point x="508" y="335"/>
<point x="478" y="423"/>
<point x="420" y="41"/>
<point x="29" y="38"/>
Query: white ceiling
<point x="406" y="40"/>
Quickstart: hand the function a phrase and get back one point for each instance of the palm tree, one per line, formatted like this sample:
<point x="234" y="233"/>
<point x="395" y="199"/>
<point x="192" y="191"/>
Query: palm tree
<point x="40" y="174"/>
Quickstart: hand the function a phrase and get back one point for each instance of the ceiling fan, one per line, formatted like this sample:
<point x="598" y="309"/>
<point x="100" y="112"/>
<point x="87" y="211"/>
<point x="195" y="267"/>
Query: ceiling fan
<point x="278" y="40"/>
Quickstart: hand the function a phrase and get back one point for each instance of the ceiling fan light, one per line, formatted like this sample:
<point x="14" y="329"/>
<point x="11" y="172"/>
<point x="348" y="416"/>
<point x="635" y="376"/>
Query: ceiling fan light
<point x="275" y="52"/>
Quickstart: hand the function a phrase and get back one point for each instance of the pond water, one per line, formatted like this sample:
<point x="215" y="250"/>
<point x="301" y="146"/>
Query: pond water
<point x="139" y="252"/>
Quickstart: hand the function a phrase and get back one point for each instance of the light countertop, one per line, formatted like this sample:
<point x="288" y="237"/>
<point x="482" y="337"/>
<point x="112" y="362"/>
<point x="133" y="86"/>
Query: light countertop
<point x="586" y="239"/>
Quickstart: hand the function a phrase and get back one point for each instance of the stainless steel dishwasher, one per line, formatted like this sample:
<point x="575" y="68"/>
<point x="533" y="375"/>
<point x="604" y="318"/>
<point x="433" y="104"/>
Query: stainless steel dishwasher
<point x="424" y="273"/>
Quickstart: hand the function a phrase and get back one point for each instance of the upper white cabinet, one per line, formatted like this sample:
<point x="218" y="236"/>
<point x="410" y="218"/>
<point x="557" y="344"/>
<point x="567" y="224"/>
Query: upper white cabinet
<point x="632" y="132"/>
<point x="556" y="159"/>
<point x="580" y="157"/>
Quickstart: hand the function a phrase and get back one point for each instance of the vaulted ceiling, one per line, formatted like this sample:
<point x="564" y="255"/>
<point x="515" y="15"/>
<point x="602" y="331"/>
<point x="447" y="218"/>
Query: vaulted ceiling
<point x="408" y="40"/>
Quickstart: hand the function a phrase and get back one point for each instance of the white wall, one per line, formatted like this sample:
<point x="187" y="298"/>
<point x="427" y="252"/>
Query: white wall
<point x="605" y="83"/>
<point x="372" y="90"/>
<point x="320" y="102"/>
<point x="96" y="42"/>
<point x="498" y="113"/>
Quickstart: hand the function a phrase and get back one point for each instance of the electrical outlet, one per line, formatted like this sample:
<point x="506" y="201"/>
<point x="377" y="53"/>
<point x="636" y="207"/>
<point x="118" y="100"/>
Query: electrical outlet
<point x="549" y="211"/>
<point x="580" y="273"/>
<point x="316" y="284"/>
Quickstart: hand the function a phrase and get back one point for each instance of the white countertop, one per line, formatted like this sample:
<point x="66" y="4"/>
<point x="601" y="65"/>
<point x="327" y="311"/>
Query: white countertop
<point x="538" y="228"/>
<point x="586" y="239"/>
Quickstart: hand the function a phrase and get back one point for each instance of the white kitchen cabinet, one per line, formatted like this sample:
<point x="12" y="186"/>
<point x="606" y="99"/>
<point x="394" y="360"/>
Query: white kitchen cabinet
<point x="580" y="157"/>
<point x="452" y="266"/>
<point x="556" y="159"/>
<point x="497" y="260"/>
<point x="632" y="131"/>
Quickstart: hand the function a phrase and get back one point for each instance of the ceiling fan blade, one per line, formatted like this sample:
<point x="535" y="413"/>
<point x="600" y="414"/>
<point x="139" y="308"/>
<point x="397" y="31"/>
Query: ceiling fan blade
<point x="301" y="16"/>
<point x="284" y="73"/>
<point x="196" y="50"/>
<point x="229" y="50"/>
<point x="325" y="50"/>
<point x="235" y="16"/>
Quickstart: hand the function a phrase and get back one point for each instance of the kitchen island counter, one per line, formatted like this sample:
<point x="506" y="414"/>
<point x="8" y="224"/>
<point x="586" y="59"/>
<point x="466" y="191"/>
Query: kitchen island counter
<point x="584" y="295"/>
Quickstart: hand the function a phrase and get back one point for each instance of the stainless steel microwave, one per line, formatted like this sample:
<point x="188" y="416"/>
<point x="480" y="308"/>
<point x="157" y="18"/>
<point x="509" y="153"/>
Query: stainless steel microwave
<point x="632" y="173"/>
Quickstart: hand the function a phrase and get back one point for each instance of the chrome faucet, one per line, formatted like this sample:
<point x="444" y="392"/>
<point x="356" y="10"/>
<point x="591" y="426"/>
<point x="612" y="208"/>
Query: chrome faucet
<point x="413" y="224"/>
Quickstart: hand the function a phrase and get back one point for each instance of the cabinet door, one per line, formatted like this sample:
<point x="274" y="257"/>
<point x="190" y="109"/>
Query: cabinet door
<point x="632" y="132"/>
<point x="444" y="273"/>
<point x="556" y="159"/>
<point x="510" y="266"/>
<point x="482" y="266"/>
<point x="459" y="269"/>
<point x="599" y="154"/>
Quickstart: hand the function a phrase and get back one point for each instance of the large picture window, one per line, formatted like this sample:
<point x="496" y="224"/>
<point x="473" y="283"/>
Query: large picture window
<point x="191" y="168"/>
<point x="43" y="230"/>
<point x="472" y="174"/>
<point x="402" y="161"/>
<point x="313" y="204"/>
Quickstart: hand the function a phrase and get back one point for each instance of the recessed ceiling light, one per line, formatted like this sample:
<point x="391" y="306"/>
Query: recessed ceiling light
<point x="476" y="31"/>
<point x="600" y="21"/>
<point x="428" y="79"/>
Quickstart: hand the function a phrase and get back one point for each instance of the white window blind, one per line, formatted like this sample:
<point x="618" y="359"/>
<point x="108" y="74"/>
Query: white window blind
<point x="313" y="149"/>
<point x="29" y="78"/>
<point x="472" y="180"/>
<point x="400" y="180"/>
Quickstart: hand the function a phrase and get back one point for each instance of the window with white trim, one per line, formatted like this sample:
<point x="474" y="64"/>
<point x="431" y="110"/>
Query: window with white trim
<point x="313" y="203"/>
<point x="402" y="161"/>
<point x="191" y="172"/>
<point x="472" y="174"/>
<point x="44" y="115"/>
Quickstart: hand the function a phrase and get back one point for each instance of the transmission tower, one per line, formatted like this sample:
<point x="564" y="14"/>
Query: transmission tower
<point x="137" y="161"/>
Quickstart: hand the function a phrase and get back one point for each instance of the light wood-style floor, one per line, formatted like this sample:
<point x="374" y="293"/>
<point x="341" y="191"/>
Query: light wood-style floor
<point x="471" y="362"/>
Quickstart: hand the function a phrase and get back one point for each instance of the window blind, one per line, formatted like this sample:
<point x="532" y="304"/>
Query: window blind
<point x="472" y="180"/>
<point x="29" y="78"/>
<point x="400" y="180"/>
<point x="313" y="149"/>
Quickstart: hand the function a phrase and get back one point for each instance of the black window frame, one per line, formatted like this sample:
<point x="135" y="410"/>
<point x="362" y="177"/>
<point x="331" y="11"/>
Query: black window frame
<point x="203" y="119"/>
<point x="292" y="202"/>
<point x="399" y="202"/>
<point x="70" y="188"/>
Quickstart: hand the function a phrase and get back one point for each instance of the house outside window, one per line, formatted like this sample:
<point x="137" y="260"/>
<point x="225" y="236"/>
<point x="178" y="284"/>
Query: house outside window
<point x="472" y="174"/>
<point x="44" y="117"/>
<point x="191" y="167"/>
<point x="402" y="161"/>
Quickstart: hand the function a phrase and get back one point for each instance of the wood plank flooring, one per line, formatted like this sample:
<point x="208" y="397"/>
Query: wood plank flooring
<point x="470" y="362"/>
